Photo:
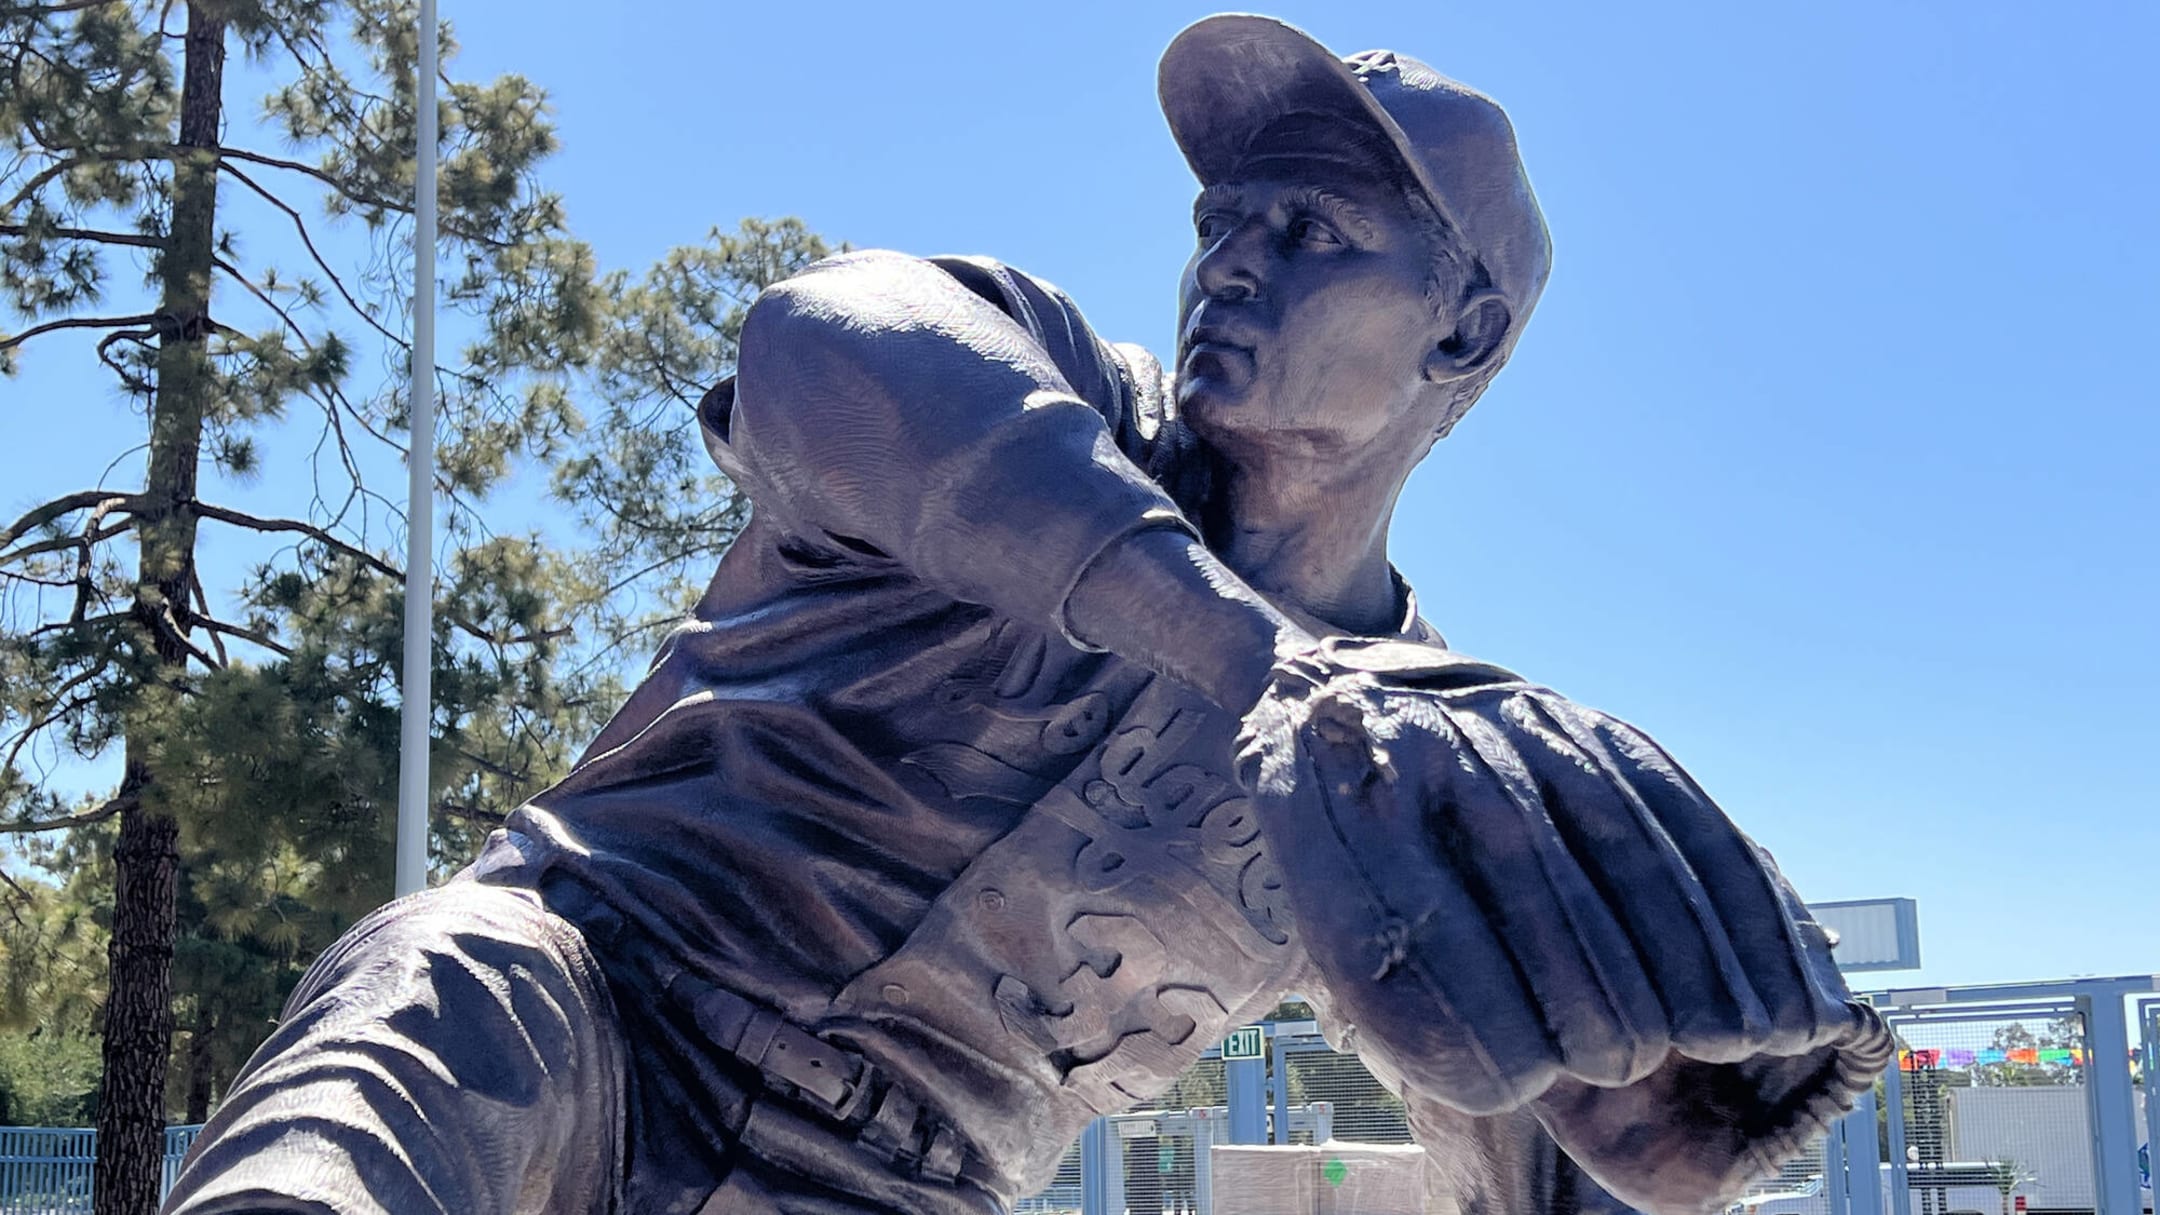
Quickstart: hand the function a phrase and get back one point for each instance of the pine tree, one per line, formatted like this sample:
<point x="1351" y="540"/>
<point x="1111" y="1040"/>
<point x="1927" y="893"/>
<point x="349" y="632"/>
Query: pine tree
<point x="122" y="148"/>
<point x="654" y="513"/>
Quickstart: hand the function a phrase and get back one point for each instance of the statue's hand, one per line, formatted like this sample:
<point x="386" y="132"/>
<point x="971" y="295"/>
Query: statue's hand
<point x="1688" y="1138"/>
<point x="1508" y="892"/>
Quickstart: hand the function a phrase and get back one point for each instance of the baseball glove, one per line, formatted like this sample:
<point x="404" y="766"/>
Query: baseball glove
<point x="1515" y="897"/>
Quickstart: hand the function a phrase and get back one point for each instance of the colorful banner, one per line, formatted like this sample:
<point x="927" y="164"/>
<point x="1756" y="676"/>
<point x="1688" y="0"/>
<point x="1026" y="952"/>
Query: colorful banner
<point x="1916" y="1058"/>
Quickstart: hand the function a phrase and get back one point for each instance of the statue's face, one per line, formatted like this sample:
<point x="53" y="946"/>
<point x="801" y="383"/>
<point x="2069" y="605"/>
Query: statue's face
<point x="1304" y="310"/>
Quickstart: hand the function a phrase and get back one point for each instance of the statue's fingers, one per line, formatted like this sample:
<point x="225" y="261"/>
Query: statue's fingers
<point x="1772" y="947"/>
<point x="1839" y="1014"/>
<point x="1491" y="823"/>
<point x="1474" y="1031"/>
<point x="1712" y="1008"/>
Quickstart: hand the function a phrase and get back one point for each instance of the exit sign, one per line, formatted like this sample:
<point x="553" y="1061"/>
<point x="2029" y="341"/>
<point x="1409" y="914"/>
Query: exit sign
<point x="1247" y="1043"/>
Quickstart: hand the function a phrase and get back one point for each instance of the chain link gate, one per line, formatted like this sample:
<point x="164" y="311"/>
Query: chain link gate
<point x="2149" y="1074"/>
<point x="1308" y="1069"/>
<point x="1989" y="1111"/>
<point x="1064" y="1194"/>
<point x="1800" y="1187"/>
<point x="1157" y="1162"/>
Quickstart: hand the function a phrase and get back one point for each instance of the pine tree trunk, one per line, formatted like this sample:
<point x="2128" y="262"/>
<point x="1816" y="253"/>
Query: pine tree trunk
<point x="202" y="1067"/>
<point x="138" y="1016"/>
<point x="138" y="1010"/>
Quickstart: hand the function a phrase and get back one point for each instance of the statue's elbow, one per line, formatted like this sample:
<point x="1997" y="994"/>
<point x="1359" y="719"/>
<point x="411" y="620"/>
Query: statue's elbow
<point x="819" y="327"/>
<point x="846" y="296"/>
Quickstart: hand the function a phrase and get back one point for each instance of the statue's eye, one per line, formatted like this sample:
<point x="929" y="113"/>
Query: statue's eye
<point x="1312" y="233"/>
<point x="1213" y="226"/>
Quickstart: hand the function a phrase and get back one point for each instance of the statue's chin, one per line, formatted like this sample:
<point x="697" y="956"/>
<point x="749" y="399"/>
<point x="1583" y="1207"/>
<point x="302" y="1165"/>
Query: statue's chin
<point x="1215" y="371"/>
<point x="1217" y="406"/>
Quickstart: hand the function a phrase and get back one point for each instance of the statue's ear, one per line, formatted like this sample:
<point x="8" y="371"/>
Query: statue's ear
<point x="1481" y="325"/>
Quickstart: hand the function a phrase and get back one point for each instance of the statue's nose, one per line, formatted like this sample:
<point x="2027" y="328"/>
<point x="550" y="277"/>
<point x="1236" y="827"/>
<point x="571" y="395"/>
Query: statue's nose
<point x="1231" y="270"/>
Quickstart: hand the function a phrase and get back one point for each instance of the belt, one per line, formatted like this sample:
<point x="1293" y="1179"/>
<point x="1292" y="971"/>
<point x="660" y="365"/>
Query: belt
<point x="837" y="1084"/>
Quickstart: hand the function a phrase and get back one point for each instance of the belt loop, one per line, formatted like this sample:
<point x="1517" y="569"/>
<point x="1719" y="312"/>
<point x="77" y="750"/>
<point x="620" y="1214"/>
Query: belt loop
<point x="941" y="1160"/>
<point x="892" y="1129"/>
<point x="757" y="1036"/>
<point x="721" y="1015"/>
<point x="836" y="1082"/>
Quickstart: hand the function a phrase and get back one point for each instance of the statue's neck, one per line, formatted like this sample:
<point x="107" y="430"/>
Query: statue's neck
<point x="1311" y="538"/>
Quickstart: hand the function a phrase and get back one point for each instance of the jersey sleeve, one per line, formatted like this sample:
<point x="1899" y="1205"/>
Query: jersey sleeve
<point x="952" y="418"/>
<point x="1121" y="381"/>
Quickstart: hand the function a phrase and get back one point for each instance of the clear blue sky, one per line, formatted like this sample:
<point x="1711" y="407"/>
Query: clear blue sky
<point x="1829" y="456"/>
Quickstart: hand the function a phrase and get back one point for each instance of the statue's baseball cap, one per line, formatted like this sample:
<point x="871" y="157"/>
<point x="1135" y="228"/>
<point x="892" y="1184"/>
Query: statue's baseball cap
<point x="1239" y="88"/>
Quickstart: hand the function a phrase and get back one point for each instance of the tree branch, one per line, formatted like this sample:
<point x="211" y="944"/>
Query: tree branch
<point x="118" y="805"/>
<point x="202" y="615"/>
<point x="365" y="200"/>
<point x="61" y="626"/>
<point x="490" y="766"/>
<point x="77" y="322"/>
<point x="39" y="516"/>
<point x="55" y="169"/>
<point x="245" y="634"/>
<point x="128" y="379"/>
<point x="62" y="706"/>
<point x="15" y="908"/>
<point x="47" y="10"/>
<point x="471" y="814"/>
<point x="159" y="617"/>
<point x="264" y="298"/>
<point x="57" y="583"/>
<point x="494" y="638"/>
<point x="94" y="536"/>
<point x="257" y="523"/>
<point x="103" y="238"/>
<point x="300" y="225"/>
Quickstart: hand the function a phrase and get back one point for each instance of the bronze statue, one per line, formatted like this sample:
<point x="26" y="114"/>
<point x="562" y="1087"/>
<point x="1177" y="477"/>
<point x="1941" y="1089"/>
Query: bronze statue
<point x="1056" y="713"/>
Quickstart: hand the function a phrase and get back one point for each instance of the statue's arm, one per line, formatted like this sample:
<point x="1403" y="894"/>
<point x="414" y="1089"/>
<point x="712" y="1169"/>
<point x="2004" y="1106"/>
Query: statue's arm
<point x="885" y="409"/>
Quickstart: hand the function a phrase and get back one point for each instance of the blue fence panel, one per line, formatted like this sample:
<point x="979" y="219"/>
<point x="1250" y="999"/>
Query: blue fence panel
<point x="46" y="1170"/>
<point x="178" y="1139"/>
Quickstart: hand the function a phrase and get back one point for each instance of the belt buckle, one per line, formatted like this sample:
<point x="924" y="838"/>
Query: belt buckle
<point x="817" y="1068"/>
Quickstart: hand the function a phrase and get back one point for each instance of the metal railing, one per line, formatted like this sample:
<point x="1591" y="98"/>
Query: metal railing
<point x="1160" y="1163"/>
<point x="46" y="1170"/>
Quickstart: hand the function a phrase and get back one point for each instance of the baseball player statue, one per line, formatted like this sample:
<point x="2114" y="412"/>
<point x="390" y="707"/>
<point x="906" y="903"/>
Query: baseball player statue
<point x="1055" y="712"/>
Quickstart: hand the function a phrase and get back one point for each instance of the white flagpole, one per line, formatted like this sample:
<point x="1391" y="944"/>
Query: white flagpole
<point x="412" y="819"/>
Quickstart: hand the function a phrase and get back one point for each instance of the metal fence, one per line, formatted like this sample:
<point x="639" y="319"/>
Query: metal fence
<point x="2007" y="1100"/>
<point x="1065" y="1192"/>
<point x="47" y="1170"/>
<point x="1159" y="1162"/>
<point x="2011" y="1099"/>
<point x="1364" y="1110"/>
<point x="1156" y="1160"/>
<point x="1993" y="1107"/>
<point x="2149" y="1074"/>
<point x="1800" y="1187"/>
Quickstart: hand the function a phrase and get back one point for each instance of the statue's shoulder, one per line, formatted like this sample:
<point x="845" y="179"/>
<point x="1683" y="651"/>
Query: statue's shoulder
<point x="1123" y="380"/>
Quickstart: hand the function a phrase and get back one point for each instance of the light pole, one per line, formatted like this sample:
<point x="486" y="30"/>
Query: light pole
<point x="412" y="819"/>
